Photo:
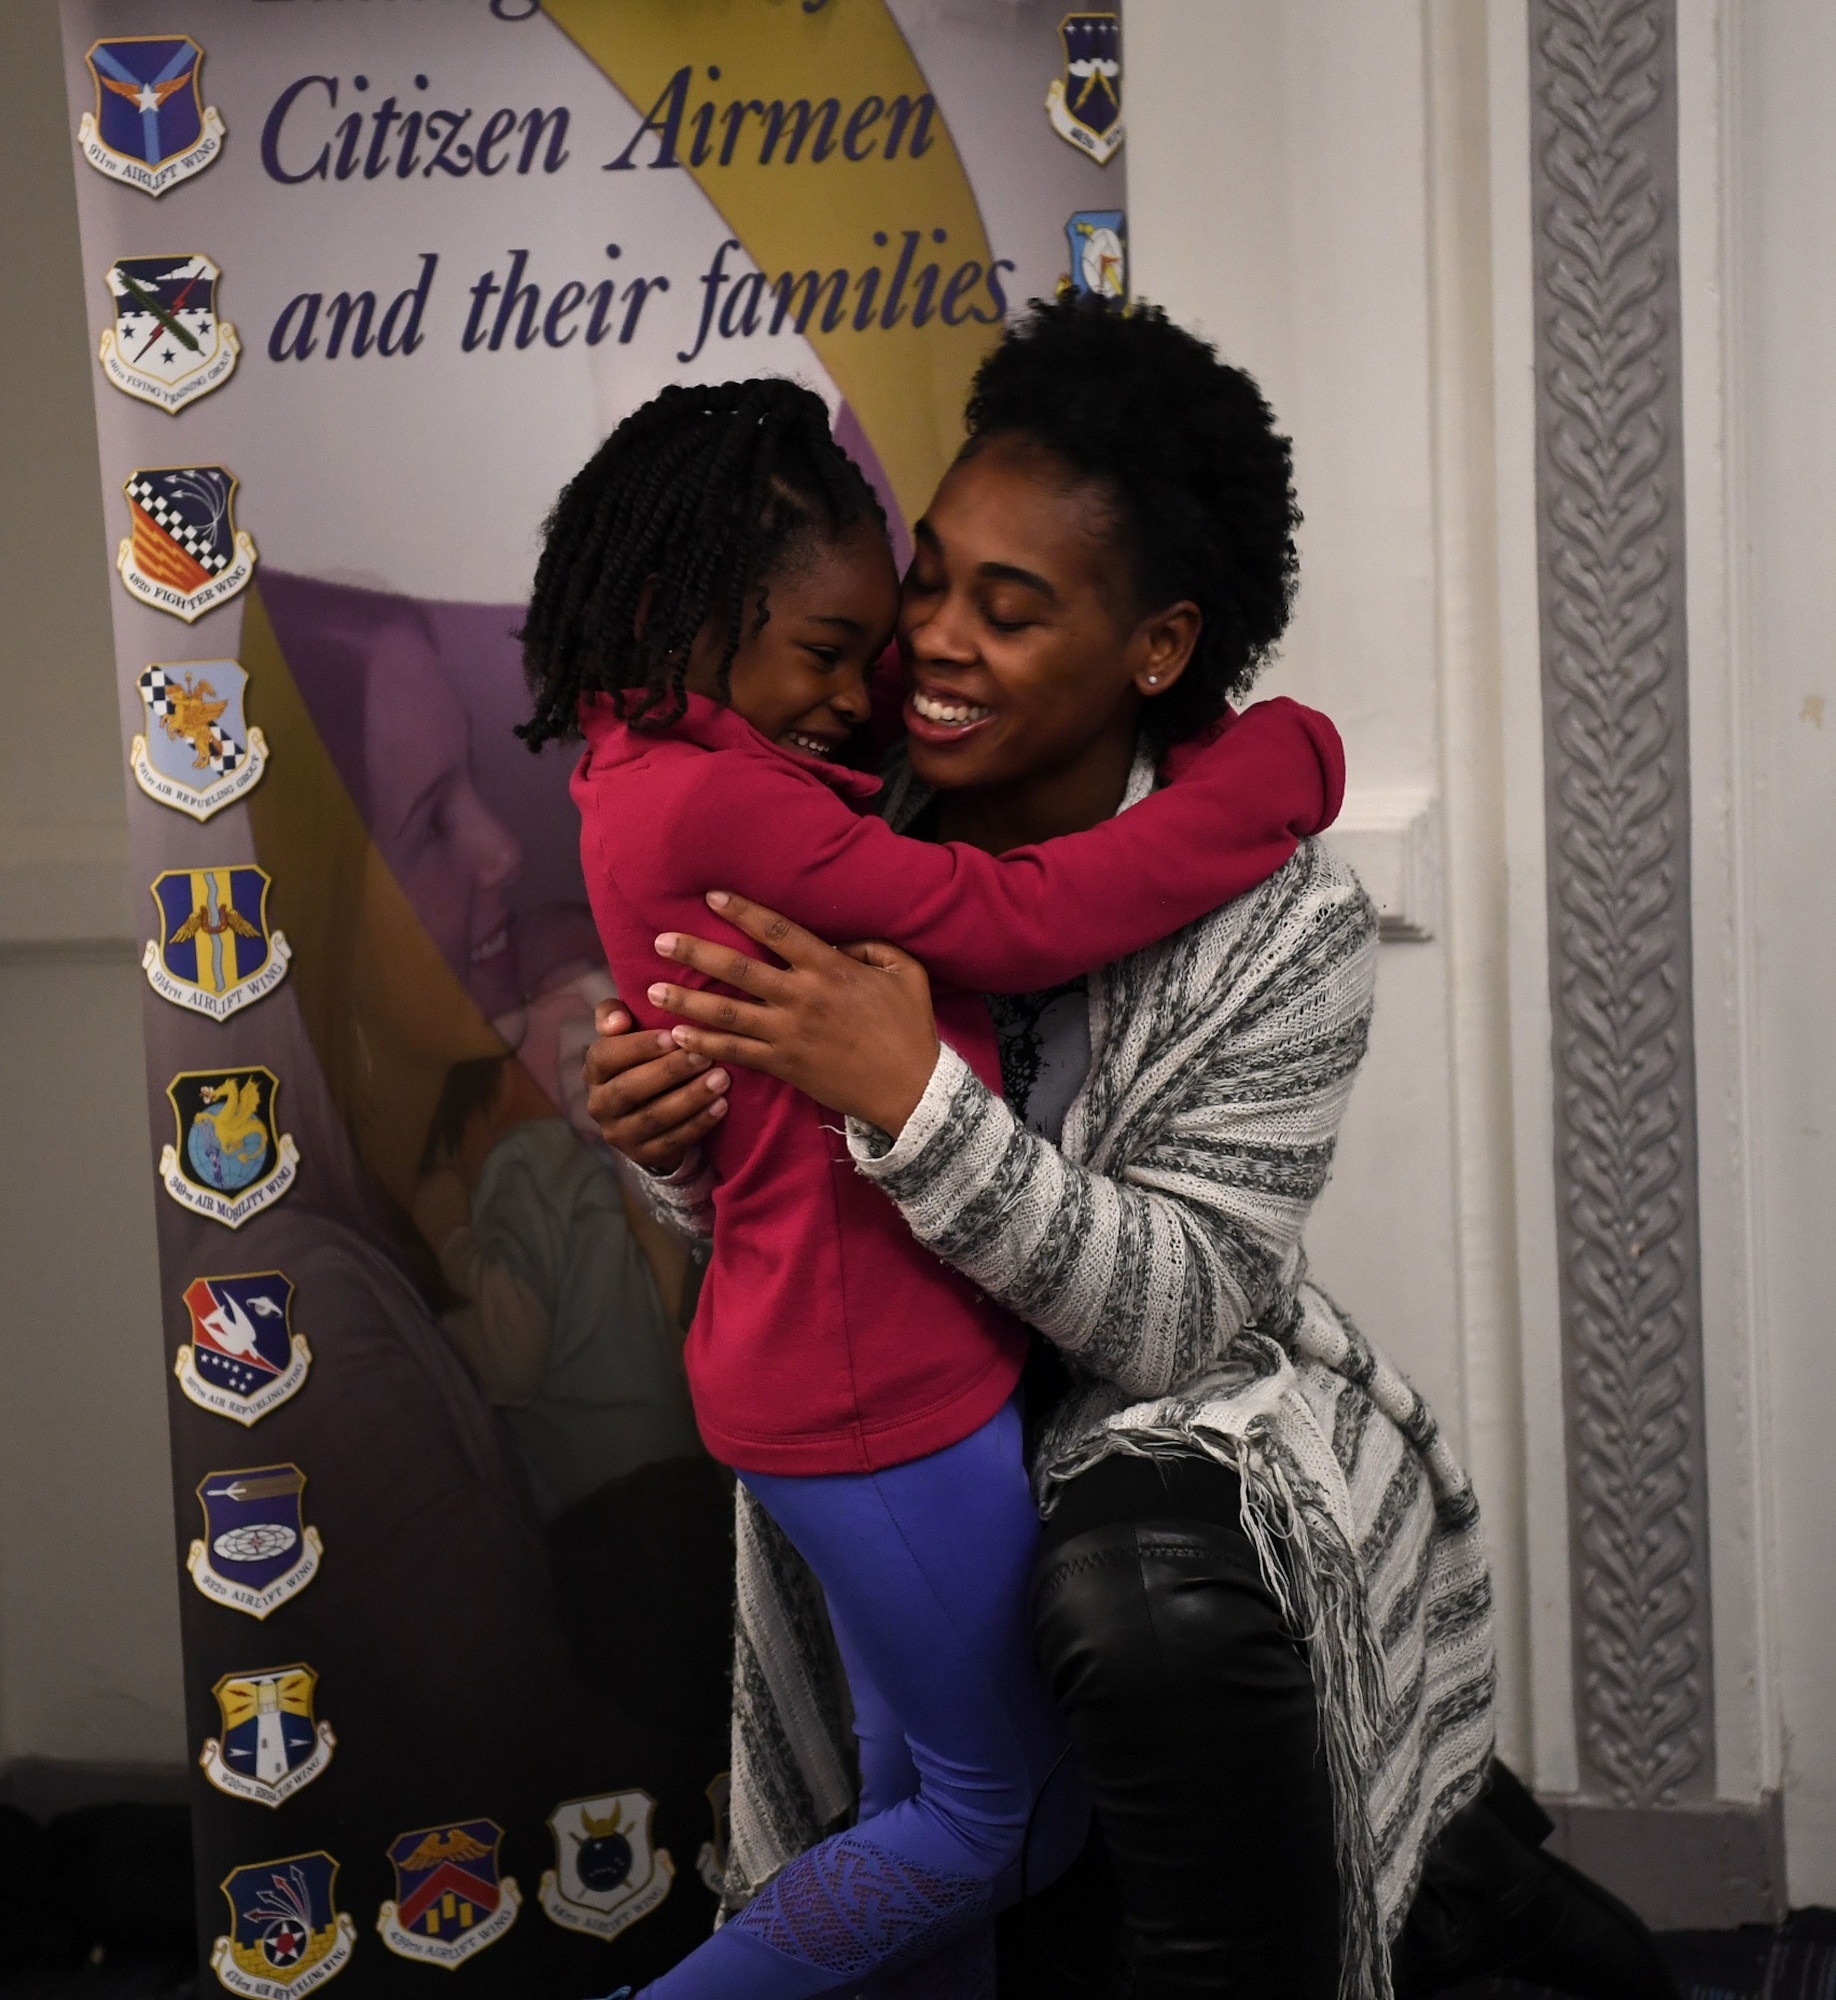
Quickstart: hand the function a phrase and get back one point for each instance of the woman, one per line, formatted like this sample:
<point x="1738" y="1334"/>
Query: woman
<point x="1222" y="1461"/>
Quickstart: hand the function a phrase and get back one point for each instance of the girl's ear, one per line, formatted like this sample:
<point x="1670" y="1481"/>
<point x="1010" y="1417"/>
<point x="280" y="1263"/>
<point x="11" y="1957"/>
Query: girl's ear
<point x="1163" y="646"/>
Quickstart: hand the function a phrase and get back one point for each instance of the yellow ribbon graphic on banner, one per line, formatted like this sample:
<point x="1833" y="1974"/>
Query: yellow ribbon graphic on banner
<point x="387" y="1018"/>
<point x="816" y="138"/>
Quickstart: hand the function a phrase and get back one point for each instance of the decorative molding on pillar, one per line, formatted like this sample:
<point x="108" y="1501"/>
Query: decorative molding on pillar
<point x="1616" y="744"/>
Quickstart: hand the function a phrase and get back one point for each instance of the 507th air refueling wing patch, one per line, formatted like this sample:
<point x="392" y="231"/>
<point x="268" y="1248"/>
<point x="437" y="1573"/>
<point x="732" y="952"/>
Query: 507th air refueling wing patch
<point x="450" y="1900"/>
<point x="1099" y="252"/>
<point x="286" y="1933"/>
<point x="1085" y="104"/>
<point x="228" y="1162"/>
<point x="167" y="345"/>
<point x="606" y="1873"/>
<point x="270" y="1747"/>
<point x="215" y="953"/>
<point x="198" y="754"/>
<point x="257" y="1551"/>
<point x="150" y="128"/>
<point x="186" y="554"/>
<point x="244" y="1358"/>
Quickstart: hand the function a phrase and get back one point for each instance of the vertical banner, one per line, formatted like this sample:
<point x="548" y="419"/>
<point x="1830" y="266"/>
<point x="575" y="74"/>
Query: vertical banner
<point x="369" y="282"/>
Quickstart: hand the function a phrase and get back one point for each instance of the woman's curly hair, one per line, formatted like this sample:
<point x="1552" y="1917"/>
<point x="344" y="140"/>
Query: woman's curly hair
<point x="1185" y="450"/>
<point x="683" y="515"/>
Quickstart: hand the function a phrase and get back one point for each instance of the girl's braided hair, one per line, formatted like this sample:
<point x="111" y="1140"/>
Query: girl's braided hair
<point x="682" y="516"/>
<point x="1185" y="450"/>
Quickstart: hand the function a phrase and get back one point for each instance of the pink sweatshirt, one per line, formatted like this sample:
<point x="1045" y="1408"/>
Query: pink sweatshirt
<point x="827" y="1340"/>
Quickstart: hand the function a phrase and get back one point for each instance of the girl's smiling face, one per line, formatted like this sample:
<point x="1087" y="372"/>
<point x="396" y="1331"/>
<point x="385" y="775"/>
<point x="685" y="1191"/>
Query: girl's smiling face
<point x="802" y="679"/>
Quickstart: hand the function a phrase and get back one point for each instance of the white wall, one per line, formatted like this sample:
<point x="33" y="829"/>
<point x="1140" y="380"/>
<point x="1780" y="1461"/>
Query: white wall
<point x="1291" y="196"/>
<point x="89" y="1653"/>
<point x="1782" y="162"/>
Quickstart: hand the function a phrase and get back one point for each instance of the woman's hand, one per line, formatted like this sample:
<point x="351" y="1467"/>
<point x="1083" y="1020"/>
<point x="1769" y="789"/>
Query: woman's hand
<point x="851" y="1028"/>
<point x="650" y="1099"/>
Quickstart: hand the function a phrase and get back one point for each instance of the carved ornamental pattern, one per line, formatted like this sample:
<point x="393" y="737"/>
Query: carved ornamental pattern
<point x="1615" y="713"/>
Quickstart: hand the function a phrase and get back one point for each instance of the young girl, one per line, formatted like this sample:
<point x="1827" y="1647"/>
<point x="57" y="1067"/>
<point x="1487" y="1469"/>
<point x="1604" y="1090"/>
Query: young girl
<point x="713" y="593"/>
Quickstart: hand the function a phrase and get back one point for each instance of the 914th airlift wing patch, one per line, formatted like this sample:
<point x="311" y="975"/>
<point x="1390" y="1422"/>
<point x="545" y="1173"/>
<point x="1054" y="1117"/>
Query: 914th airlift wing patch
<point x="186" y="555"/>
<point x="150" y="128"/>
<point x="167" y="345"/>
<point x="215" y="953"/>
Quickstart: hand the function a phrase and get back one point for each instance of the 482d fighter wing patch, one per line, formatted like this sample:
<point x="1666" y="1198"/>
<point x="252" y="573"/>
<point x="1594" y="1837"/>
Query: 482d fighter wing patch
<point x="186" y="555"/>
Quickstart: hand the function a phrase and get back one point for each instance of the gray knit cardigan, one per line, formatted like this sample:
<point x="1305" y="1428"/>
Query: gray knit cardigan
<point x="1159" y="1247"/>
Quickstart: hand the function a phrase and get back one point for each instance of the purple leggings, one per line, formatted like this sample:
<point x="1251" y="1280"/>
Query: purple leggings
<point x="925" y="1567"/>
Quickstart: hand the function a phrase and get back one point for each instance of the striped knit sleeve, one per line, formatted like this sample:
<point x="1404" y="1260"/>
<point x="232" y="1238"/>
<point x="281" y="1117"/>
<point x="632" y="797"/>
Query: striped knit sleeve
<point x="683" y="1200"/>
<point x="1224" y="1058"/>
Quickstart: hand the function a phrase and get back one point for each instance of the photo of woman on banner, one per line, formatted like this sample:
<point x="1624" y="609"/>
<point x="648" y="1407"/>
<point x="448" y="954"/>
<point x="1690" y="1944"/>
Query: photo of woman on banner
<point x="447" y="1016"/>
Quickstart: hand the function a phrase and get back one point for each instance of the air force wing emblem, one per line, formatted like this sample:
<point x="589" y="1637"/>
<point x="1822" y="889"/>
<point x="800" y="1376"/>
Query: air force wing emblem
<point x="215" y="953"/>
<point x="711" y="1862"/>
<point x="257" y="1551"/>
<point x="229" y="1162"/>
<point x="198" y="754"/>
<point x="150" y="128"/>
<point x="270" y="1747"/>
<point x="1099" y="253"/>
<point x="167" y="345"/>
<point x="243" y="1358"/>
<point x="286" y="1933"/>
<point x="186" y="554"/>
<point x="1085" y="104"/>
<point x="606" y="1874"/>
<point x="449" y="1900"/>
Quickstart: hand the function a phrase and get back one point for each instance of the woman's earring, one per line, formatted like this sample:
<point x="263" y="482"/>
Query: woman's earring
<point x="1153" y="680"/>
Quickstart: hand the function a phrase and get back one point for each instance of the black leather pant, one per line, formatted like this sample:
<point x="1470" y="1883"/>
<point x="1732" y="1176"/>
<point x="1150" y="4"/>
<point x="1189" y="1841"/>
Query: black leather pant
<point x="1192" y="1712"/>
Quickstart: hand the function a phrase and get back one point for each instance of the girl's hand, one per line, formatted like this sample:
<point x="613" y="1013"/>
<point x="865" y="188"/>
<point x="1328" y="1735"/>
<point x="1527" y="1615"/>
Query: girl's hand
<point x="851" y="1028"/>
<point x="650" y="1099"/>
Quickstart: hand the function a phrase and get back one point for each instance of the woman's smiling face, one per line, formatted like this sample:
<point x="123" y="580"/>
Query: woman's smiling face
<point x="1023" y="649"/>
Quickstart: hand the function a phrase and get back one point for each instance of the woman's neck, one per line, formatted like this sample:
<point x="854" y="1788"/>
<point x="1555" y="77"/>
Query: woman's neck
<point x="1043" y="805"/>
